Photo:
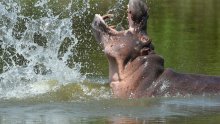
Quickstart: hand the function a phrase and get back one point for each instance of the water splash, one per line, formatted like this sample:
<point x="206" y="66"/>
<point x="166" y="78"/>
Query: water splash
<point x="33" y="51"/>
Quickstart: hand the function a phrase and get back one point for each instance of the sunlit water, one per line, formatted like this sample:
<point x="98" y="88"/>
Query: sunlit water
<point x="52" y="70"/>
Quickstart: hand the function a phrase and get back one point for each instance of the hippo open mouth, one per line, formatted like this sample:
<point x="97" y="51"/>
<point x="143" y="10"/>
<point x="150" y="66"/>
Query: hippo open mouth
<point x="102" y="30"/>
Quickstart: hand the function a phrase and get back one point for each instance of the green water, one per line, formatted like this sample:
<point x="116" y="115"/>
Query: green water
<point x="185" y="32"/>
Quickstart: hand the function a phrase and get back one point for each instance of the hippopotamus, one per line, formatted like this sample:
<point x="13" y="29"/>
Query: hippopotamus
<point x="135" y="70"/>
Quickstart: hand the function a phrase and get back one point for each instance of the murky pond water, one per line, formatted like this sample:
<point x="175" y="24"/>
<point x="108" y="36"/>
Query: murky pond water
<point x="53" y="71"/>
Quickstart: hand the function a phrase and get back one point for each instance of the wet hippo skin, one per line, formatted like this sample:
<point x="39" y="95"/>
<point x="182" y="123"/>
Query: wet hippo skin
<point x="135" y="70"/>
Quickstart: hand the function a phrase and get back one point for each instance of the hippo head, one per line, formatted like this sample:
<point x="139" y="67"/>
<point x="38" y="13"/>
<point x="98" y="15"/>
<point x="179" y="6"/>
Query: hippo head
<point x="128" y="51"/>
<point x="137" y="19"/>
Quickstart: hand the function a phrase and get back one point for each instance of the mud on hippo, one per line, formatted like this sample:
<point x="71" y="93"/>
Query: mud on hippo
<point x="135" y="70"/>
